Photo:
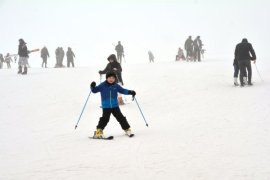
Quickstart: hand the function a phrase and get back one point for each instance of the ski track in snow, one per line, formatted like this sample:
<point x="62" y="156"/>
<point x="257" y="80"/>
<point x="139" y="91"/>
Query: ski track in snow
<point x="201" y="127"/>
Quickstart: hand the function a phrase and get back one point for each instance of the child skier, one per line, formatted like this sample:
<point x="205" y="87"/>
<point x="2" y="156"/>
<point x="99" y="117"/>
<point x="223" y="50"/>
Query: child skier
<point x="108" y="90"/>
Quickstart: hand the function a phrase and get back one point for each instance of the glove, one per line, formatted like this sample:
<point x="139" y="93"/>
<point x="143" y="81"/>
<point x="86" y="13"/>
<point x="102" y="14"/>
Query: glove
<point x="133" y="93"/>
<point x="99" y="72"/>
<point x="93" y="85"/>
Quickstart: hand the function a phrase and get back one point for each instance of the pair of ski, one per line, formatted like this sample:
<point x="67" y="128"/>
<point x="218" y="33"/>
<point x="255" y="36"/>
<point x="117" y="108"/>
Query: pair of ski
<point x="110" y="137"/>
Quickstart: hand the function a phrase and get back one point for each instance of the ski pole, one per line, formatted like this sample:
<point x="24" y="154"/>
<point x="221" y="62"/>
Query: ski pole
<point x="82" y="110"/>
<point x="258" y="72"/>
<point x="141" y="112"/>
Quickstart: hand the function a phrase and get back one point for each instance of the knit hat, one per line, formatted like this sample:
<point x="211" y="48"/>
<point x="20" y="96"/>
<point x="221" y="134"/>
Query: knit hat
<point x="22" y="41"/>
<point x="110" y="74"/>
<point x="112" y="57"/>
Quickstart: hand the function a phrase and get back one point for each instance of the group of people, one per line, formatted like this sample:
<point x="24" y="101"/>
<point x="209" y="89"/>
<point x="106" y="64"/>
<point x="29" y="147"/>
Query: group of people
<point x="194" y="51"/>
<point x="60" y="53"/>
<point x="7" y="59"/>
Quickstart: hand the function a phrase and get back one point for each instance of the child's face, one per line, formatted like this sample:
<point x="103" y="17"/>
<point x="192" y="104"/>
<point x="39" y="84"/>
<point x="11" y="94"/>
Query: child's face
<point x="111" y="79"/>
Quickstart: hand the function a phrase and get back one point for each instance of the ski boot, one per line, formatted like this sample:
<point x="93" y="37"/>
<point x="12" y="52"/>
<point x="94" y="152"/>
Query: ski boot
<point x="25" y="71"/>
<point x="245" y="80"/>
<point x="235" y="82"/>
<point x="128" y="132"/>
<point x="20" y="70"/>
<point x="98" y="134"/>
<point x="250" y="83"/>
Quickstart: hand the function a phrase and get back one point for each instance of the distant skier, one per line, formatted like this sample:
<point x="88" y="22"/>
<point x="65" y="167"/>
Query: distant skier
<point x="114" y="66"/>
<point x="189" y="48"/>
<point x="197" y="48"/>
<point x="180" y="55"/>
<point x="8" y="59"/>
<point x="2" y="60"/>
<point x="108" y="90"/>
<point x="70" y="57"/>
<point x="44" y="54"/>
<point x="120" y="51"/>
<point x="242" y="55"/>
<point x="151" y="56"/>
<point x="23" y="57"/>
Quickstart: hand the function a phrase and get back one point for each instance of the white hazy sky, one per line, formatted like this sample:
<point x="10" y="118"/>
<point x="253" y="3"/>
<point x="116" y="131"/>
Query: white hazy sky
<point x="91" y="26"/>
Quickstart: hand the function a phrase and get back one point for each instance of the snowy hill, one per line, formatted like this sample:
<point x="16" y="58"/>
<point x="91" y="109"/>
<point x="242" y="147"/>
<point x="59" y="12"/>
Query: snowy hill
<point x="201" y="127"/>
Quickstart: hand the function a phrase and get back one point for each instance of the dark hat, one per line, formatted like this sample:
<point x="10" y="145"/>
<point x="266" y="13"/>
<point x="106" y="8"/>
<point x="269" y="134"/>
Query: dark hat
<point x="110" y="74"/>
<point x="22" y="41"/>
<point x="244" y="40"/>
<point x="112" y="57"/>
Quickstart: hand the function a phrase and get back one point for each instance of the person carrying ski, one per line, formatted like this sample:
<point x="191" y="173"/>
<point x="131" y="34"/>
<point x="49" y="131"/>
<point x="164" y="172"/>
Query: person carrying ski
<point x="23" y="57"/>
<point x="44" y="54"/>
<point x="108" y="90"/>
<point x="70" y="57"/>
<point x="114" y="66"/>
<point x="242" y="54"/>
<point x="120" y="51"/>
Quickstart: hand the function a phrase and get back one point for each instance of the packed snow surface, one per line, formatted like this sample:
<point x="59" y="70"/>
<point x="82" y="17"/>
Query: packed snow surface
<point x="201" y="127"/>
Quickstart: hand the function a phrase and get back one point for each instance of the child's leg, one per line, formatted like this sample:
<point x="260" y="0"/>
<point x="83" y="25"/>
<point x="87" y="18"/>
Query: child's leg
<point x="103" y="121"/>
<point x="120" y="118"/>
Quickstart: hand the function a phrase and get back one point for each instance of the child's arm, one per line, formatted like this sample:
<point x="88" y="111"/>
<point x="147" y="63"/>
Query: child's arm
<point x="126" y="91"/>
<point x="94" y="88"/>
<point x="122" y="90"/>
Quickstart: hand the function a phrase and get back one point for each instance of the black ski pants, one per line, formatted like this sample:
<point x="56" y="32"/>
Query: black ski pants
<point x="103" y="121"/>
<point x="243" y="66"/>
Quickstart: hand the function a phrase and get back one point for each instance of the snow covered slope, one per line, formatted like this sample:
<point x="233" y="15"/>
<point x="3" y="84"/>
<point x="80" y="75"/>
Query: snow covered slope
<point x="201" y="127"/>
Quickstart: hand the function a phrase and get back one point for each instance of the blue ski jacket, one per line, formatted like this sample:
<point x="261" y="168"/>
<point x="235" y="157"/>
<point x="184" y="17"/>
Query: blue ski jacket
<point x="109" y="94"/>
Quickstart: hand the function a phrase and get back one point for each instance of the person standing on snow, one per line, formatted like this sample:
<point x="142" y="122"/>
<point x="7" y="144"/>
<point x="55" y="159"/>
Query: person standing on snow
<point x="114" y="66"/>
<point x="120" y="51"/>
<point x="108" y="90"/>
<point x="197" y="48"/>
<point x="242" y="55"/>
<point x="70" y="57"/>
<point x="23" y="57"/>
<point x="8" y="59"/>
<point x="189" y="48"/>
<point x="151" y="56"/>
<point x="44" y="54"/>
<point x="2" y="60"/>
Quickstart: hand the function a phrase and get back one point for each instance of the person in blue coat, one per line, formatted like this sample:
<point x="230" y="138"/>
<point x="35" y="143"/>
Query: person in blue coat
<point x="108" y="90"/>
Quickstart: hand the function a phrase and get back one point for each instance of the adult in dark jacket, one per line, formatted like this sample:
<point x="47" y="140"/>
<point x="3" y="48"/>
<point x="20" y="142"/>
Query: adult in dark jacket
<point x="189" y="48"/>
<point x="44" y="54"/>
<point x="70" y="57"/>
<point x="114" y="66"/>
<point x="197" y="48"/>
<point x="120" y="51"/>
<point x="242" y="55"/>
<point x="23" y="56"/>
